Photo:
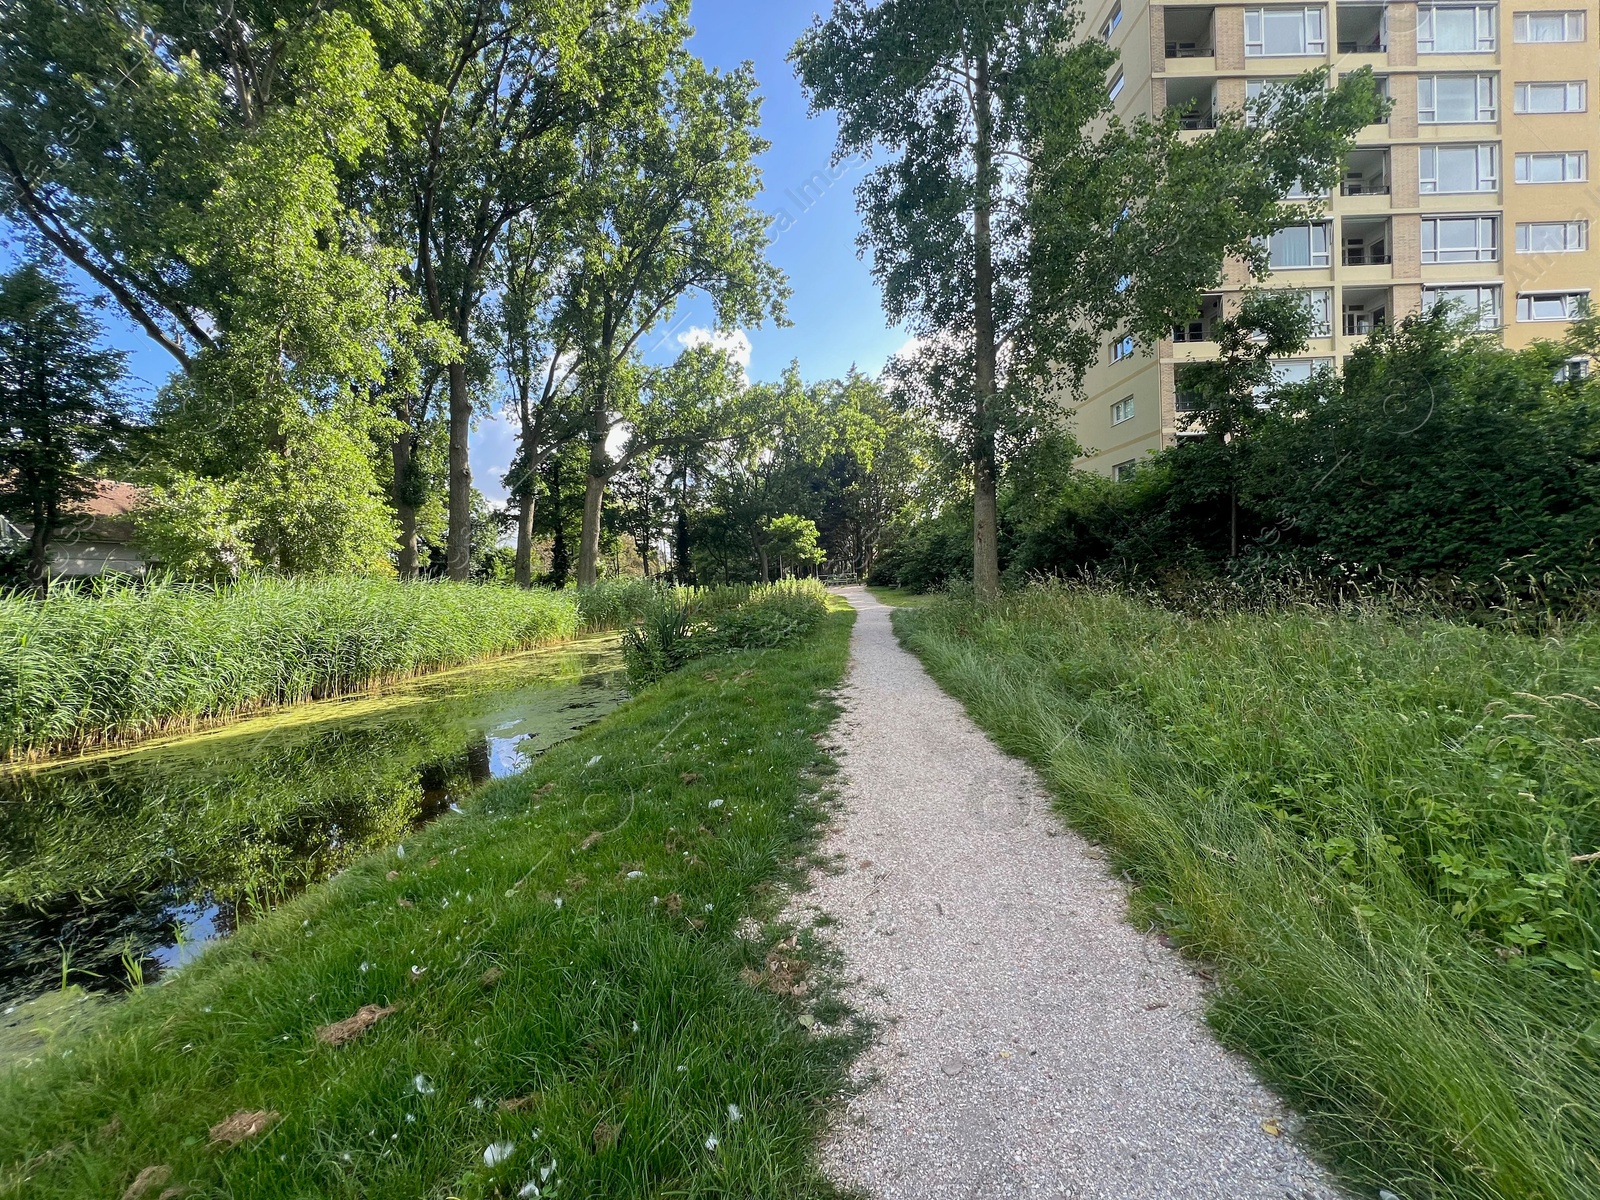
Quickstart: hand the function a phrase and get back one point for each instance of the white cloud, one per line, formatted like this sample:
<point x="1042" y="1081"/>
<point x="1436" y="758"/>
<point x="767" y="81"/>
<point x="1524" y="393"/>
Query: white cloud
<point x="736" y="343"/>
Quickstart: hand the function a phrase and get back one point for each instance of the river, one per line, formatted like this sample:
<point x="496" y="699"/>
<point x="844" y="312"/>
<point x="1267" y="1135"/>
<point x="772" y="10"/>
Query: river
<point x="117" y="868"/>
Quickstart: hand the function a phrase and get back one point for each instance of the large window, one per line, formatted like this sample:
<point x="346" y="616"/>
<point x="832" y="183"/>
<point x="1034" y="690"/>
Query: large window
<point x="1455" y="28"/>
<point x="1460" y="239"/>
<point x="1456" y="99"/>
<point x="1319" y="303"/>
<point x="1550" y="26"/>
<point x="1122" y="348"/>
<point x="1552" y="237"/>
<point x="1551" y="97"/>
<point x="1270" y="32"/>
<point x="1117" y="84"/>
<point x="1569" y="166"/>
<point x="1549" y="306"/>
<point x="1480" y="300"/>
<point x="1124" y="470"/>
<point x="1298" y="370"/>
<point x="1300" y="246"/>
<point x="1122" y="410"/>
<point x="1112" y="21"/>
<point x="1460" y="168"/>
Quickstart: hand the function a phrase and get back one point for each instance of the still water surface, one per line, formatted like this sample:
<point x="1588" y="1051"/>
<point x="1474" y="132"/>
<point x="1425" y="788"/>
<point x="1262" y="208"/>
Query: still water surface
<point x="117" y="868"/>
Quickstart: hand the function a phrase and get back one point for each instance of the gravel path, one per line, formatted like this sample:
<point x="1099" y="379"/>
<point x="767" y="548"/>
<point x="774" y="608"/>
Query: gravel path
<point x="1031" y="1042"/>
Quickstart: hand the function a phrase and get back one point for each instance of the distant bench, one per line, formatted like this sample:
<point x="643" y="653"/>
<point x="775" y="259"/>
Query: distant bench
<point x="840" y="580"/>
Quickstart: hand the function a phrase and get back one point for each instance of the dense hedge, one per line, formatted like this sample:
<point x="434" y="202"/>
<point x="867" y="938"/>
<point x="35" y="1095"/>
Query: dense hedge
<point x="1436" y="457"/>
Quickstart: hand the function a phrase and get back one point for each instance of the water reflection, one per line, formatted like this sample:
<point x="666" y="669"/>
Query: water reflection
<point x="116" y="869"/>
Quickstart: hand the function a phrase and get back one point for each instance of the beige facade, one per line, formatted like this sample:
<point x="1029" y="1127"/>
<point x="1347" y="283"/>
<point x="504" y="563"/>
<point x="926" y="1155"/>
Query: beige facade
<point x="1479" y="188"/>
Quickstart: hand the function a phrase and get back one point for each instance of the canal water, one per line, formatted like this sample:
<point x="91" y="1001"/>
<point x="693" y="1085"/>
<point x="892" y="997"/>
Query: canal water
<point x="117" y="868"/>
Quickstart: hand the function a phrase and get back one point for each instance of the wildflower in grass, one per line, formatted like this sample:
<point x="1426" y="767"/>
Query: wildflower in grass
<point x="734" y="1114"/>
<point x="713" y="1142"/>
<point x="423" y="1086"/>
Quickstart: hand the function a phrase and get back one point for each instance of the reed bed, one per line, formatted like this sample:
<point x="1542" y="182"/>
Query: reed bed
<point x="1380" y="830"/>
<point x="84" y="668"/>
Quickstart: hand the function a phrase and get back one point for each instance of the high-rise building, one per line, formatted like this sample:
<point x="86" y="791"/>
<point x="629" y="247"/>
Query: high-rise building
<point x="1478" y="189"/>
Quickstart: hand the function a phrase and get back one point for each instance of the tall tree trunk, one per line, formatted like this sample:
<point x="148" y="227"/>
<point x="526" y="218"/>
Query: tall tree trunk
<point x="560" y="560"/>
<point x="593" y="496"/>
<point x="458" y="553"/>
<point x="680" y="548"/>
<point x="405" y="512"/>
<point x="44" y="526"/>
<point x="525" y="509"/>
<point x="985" y="520"/>
<point x="766" y="573"/>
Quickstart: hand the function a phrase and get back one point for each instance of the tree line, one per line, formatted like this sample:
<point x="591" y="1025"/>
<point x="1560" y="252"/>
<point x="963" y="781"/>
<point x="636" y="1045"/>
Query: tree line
<point x="355" y="227"/>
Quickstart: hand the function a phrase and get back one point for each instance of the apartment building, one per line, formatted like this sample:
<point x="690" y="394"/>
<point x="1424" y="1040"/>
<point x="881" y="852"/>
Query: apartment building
<point x="1478" y="189"/>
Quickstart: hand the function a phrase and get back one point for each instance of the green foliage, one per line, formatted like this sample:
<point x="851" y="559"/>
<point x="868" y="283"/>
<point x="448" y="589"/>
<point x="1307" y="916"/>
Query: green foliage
<point x="682" y="624"/>
<point x="645" y="934"/>
<point x="1437" y="461"/>
<point x="925" y="555"/>
<point x="795" y="540"/>
<point x="117" y="664"/>
<point x="59" y="408"/>
<point x="1381" y="832"/>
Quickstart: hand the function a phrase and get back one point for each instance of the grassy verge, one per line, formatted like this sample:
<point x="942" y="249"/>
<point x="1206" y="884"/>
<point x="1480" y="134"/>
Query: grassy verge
<point x="1378" y="832"/>
<point x="88" y="668"/>
<point x="901" y="597"/>
<point x="567" y="976"/>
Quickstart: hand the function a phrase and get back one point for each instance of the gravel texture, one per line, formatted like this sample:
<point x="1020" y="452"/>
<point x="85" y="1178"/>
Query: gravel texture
<point x="1031" y="1042"/>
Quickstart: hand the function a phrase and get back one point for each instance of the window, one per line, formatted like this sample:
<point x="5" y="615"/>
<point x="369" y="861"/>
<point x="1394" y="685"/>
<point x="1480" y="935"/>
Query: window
<point x="1482" y="300"/>
<point x="1574" y="370"/>
<point x="1455" y="28"/>
<point x="1116" y="85"/>
<point x="1319" y="302"/>
<point x="1455" y="99"/>
<point x="1300" y="246"/>
<point x="1549" y="27"/>
<point x="1460" y="239"/>
<point x="1269" y="32"/>
<point x="1124" y="470"/>
<point x="1112" y="22"/>
<point x="1122" y="410"/>
<point x="1460" y="168"/>
<point x="1549" y="306"/>
<point x="1551" y="97"/>
<point x="1571" y="166"/>
<point x="1298" y="370"/>
<point x="1552" y="237"/>
<point x="1122" y="348"/>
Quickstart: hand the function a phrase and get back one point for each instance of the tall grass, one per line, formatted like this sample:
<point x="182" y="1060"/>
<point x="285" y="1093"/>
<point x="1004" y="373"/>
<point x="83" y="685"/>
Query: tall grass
<point x="1377" y="829"/>
<point x="115" y="664"/>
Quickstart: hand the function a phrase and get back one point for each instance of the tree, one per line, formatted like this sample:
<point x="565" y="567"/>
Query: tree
<point x="665" y="210"/>
<point x="59" y="406"/>
<point x="1018" y="219"/>
<point x="1233" y="390"/>
<point x="508" y="89"/>
<point x="794" y="540"/>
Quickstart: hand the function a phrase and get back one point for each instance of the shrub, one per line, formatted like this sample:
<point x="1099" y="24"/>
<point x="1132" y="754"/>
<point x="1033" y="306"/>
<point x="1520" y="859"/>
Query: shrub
<point x="687" y="623"/>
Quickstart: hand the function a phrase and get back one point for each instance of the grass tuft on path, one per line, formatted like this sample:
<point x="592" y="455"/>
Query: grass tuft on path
<point x="1380" y="833"/>
<point x="547" y="995"/>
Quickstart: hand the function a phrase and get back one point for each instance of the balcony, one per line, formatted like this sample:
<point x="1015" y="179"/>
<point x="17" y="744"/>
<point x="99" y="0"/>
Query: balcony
<point x="1191" y="33"/>
<point x="1362" y="29"/>
<point x="1366" y="172"/>
<point x="1199" y="329"/>
<point x="1365" y="310"/>
<point x="1195" y="100"/>
<point x="1366" y="242"/>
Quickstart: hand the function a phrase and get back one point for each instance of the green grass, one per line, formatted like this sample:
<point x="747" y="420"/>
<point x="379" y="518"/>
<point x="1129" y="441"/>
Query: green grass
<point x="626" y="1015"/>
<point x="1369" y="827"/>
<point x="900" y="597"/>
<point x="85" y="668"/>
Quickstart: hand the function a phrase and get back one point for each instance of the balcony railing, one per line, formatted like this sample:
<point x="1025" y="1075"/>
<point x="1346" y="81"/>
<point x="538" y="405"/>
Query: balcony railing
<point x="1198" y="120"/>
<point x="1362" y="187"/>
<point x="1190" y="50"/>
<point x="1361" y="324"/>
<point x="1361" y="48"/>
<point x="1367" y="258"/>
<point x="1195" y="331"/>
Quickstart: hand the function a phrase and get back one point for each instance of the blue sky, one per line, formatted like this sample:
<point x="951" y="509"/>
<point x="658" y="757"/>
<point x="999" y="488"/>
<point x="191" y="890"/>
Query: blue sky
<point x="837" y="319"/>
